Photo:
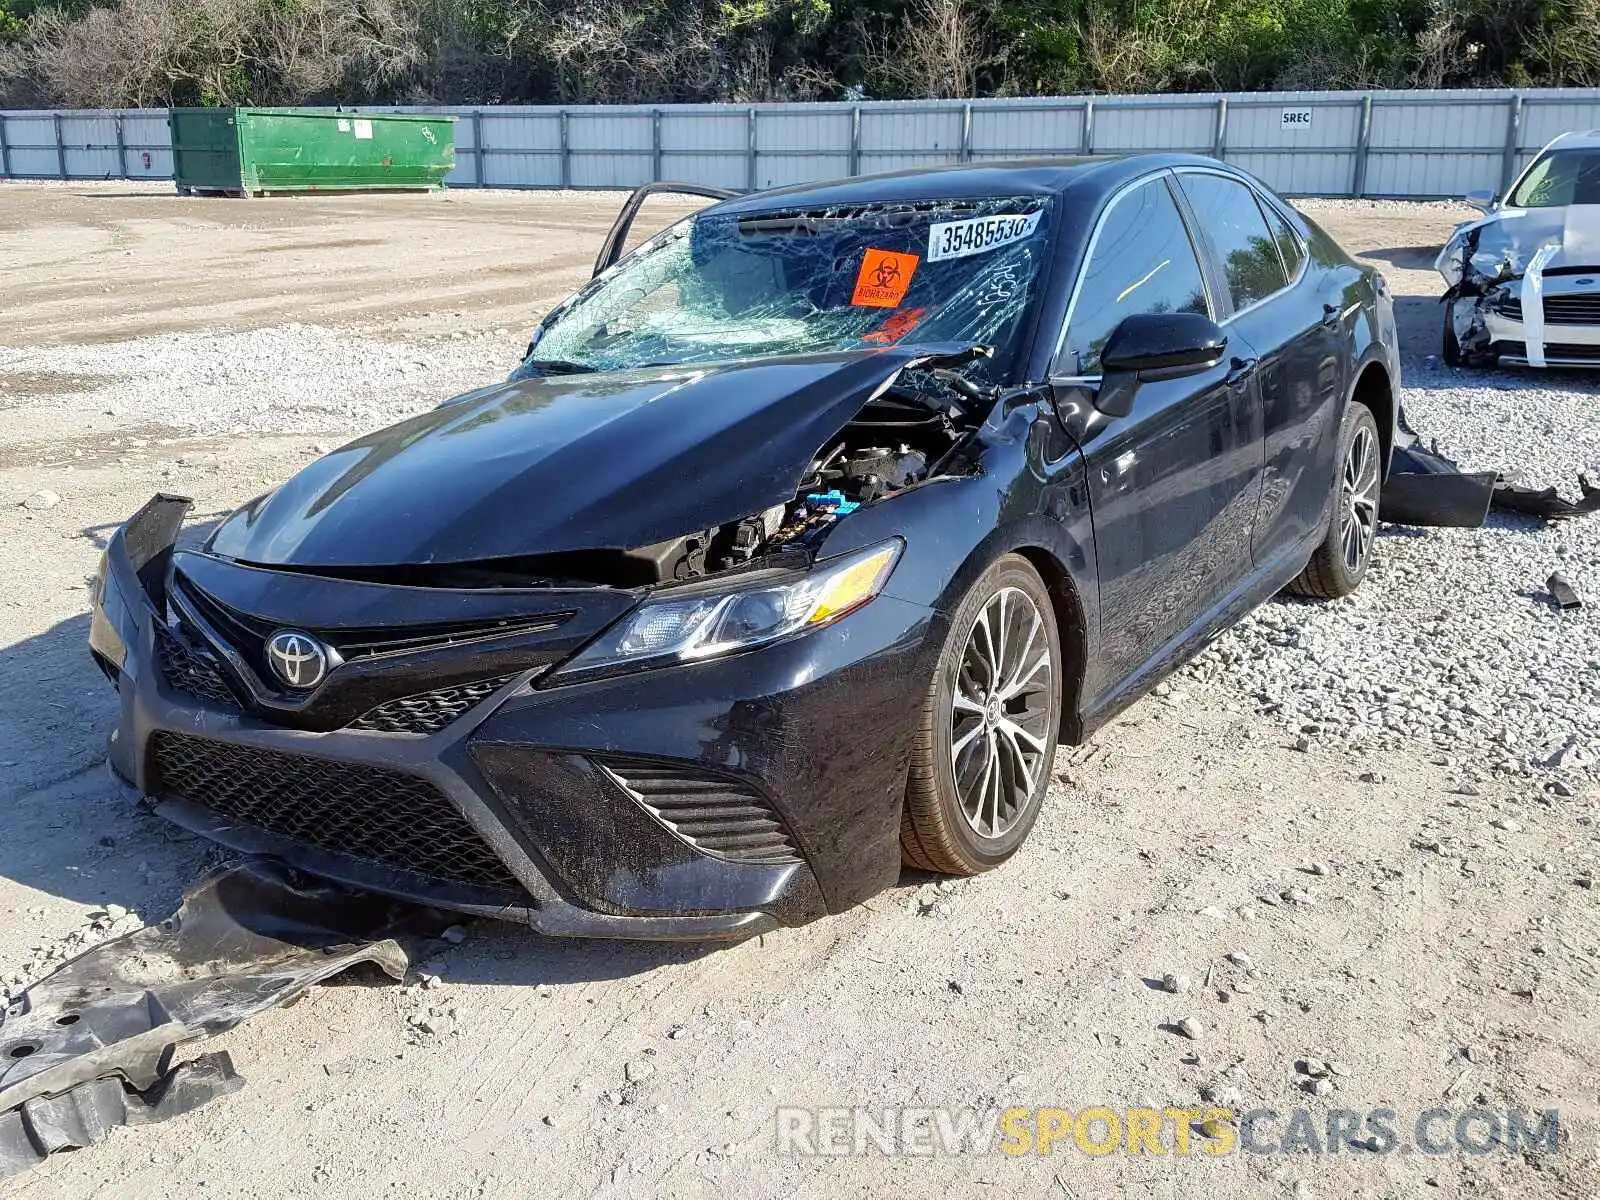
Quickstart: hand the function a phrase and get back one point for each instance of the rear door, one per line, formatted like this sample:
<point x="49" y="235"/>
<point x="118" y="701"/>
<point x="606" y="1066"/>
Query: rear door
<point x="1278" y="311"/>
<point x="1173" y="485"/>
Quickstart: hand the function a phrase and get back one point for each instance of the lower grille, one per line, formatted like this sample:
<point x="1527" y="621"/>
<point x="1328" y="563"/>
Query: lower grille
<point x="429" y="712"/>
<point x="190" y="671"/>
<point x="714" y="813"/>
<point x="364" y="812"/>
<point x="1567" y="352"/>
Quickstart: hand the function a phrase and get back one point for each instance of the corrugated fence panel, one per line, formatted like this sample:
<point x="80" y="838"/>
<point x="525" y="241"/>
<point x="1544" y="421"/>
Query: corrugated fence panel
<point x="1123" y="128"/>
<point x="801" y="145"/>
<point x="147" y="146"/>
<point x="1273" y="140"/>
<point x="89" y="146"/>
<point x="897" y="138"/>
<point x="1543" y="118"/>
<point x="1418" y="143"/>
<point x="1444" y="174"/>
<point x="1026" y="132"/>
<point x="31" y="140"/>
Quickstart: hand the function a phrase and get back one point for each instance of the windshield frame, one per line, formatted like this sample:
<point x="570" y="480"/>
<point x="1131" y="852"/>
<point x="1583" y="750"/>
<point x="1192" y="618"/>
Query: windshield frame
<point x="1011" y="351"/>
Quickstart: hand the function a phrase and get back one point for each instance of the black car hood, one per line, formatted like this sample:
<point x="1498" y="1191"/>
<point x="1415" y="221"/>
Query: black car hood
<point x="574" y="462"/>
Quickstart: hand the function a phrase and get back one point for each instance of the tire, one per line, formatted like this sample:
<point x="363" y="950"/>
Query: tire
<point x="1006" y="735"/>
<point x="1340" y="562"/>
<point x="1450" y="347"/>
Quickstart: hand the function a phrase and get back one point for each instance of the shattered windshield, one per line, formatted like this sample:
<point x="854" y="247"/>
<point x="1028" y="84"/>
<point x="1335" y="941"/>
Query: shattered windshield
<point x="1559" y="179"/>
<point x="729" y="286"/>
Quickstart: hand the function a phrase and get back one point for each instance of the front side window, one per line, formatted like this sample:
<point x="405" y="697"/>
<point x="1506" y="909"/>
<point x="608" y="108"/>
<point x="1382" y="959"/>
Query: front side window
<point x="1142" y="261"/>
<point x="1560" y="178"/>
<point x="1227" y="210"/>
<point x="733" y="286"/>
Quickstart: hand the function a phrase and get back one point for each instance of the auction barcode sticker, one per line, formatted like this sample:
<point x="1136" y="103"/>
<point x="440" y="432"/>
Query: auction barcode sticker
<point x="957" y="239"/>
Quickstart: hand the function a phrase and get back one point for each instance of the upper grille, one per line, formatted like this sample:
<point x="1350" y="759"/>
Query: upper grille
<point x="191" y="671"/>
<point x="713" y="813"/>
<point x="429" y="711"/>
<point x="1558" y="310"/>
<point x="352" y="809"/>
<point x="247" y="633"/>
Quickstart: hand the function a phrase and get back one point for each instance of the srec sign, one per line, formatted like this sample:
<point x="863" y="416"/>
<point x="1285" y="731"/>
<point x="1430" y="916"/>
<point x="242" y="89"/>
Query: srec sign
<point x="1295" y="118"/>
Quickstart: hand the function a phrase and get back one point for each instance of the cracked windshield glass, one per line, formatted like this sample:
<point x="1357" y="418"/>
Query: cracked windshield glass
<point x="719" y="287"/>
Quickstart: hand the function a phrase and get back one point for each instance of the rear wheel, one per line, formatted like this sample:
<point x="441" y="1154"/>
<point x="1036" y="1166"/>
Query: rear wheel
<point x="1340" y="563"/>
<point x="987" y="736"/>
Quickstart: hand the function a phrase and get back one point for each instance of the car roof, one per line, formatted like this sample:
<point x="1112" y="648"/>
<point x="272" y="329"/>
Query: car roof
<point x="967" y="181"/>
<point x="1577" y="139"/>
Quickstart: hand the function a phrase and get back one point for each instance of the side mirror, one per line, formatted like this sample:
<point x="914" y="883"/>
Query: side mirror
<point x="1154" y="345"/>
<point x="1483" y="199"/>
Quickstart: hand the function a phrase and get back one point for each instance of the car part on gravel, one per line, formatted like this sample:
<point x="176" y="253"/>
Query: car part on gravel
<point x="1562" y="592"/>
<point x="98" y="1043"/>
<point x="1426" y="488"/>
<point x="1545" y="502"/>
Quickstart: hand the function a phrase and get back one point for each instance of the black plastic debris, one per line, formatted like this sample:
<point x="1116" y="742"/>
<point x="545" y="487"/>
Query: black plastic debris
<point x="1426" y="488"/>
<point x="101" y="1042"/>
<point x="1546" y="502"/>
<point x="1562" y="592"/>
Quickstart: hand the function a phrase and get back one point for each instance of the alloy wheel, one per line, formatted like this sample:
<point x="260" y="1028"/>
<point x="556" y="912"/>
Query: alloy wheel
<point x="1003" y="707"/>
<point x="1358" y="515"/>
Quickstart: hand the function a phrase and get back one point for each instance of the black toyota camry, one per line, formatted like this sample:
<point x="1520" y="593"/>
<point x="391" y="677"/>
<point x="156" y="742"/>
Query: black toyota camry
<point x="798" y="541"/>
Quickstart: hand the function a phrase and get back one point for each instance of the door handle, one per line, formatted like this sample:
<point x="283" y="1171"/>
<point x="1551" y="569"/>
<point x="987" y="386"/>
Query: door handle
<point x="1239" y="370"/>
<point x="1330" y="316"/>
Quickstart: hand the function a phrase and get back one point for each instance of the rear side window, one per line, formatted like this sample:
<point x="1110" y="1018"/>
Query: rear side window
<point x="1228" y="212"/>
<point x="1142" y="262"/>
<point x="1289" y="247"/>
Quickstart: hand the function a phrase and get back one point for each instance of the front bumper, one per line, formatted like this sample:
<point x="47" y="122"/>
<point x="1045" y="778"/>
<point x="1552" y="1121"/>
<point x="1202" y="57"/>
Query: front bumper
<point x="712" y="800"/>
<point x="1564" y="345"/>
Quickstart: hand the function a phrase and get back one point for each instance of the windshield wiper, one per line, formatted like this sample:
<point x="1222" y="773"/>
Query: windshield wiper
<point x="558" y="366"/>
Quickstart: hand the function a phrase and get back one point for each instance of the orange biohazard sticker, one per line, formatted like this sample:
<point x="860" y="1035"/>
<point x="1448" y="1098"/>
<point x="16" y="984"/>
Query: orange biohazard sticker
<point x="895" y="326"/>
<point x="883" y="279"/>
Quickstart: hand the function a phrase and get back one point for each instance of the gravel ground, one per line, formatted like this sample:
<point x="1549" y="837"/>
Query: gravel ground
<point x="1387" y="805"/>
<point x="288" y="379"/>
<point x="1452" y="643"/>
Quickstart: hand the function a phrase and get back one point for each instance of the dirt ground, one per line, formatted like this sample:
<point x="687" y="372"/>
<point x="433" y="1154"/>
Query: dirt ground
<point x="1035" y="985"/>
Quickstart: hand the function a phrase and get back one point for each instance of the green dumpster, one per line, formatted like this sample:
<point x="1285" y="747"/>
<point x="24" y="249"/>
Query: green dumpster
<point x="252" y="151"/>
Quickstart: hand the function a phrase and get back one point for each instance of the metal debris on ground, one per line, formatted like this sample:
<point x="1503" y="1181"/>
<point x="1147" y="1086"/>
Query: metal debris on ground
<point x="101" y="1042"/>
<point x="1562" y="592"/>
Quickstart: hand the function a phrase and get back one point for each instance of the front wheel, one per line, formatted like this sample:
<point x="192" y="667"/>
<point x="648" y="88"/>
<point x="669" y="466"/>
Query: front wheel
<point x="1340" y="562"/>
<point x="987" y="735"/>
<point x="1450" y="345"/>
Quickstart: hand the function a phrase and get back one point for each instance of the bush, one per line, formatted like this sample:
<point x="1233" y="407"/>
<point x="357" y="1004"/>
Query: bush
<point x="161" y="52"/>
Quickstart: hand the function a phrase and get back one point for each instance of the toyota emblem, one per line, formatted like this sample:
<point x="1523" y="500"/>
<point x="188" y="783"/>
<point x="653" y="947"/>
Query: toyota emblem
<point x="297" y="658"/>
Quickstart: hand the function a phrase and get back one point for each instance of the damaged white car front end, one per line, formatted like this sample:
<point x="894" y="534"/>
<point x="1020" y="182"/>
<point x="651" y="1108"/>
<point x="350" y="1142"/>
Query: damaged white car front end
<point x="1524" y="281"/>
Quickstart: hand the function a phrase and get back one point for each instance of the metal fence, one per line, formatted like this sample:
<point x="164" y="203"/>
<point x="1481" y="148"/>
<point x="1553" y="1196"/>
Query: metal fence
<point x="1407" y="144"/>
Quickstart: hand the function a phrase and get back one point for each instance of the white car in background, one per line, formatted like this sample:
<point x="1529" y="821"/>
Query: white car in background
<point x="1525" y="278"/>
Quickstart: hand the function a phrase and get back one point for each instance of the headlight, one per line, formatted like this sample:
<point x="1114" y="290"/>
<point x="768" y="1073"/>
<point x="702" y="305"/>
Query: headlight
<point x="672" y="629"/>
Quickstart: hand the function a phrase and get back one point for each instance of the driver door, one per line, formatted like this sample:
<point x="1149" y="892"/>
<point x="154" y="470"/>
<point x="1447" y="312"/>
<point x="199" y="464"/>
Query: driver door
<point x="1174" y="484"/>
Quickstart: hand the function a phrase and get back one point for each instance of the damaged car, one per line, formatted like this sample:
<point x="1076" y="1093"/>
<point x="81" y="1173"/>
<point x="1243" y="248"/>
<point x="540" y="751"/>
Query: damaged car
<point x="798" y="542"/>
<point x="1524" y="280"/>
